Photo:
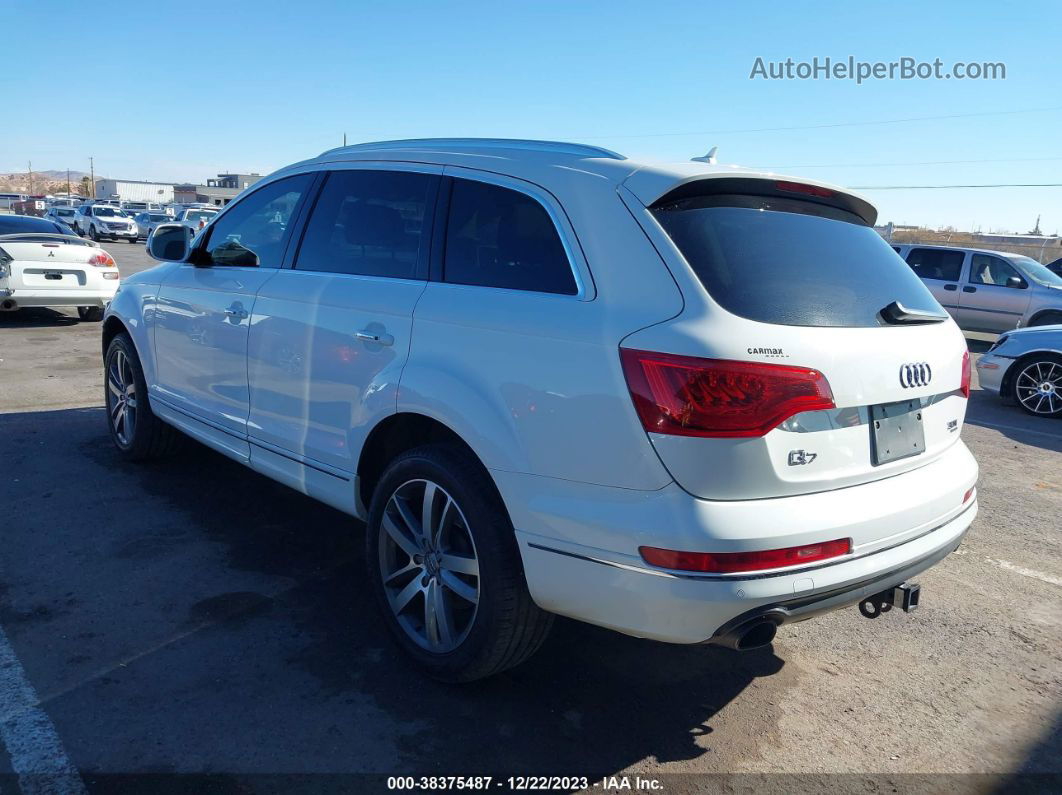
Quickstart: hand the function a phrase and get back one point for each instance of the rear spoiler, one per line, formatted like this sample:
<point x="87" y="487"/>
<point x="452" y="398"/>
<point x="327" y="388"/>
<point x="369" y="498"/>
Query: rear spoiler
<point x="656" y="187"/>
<point x="46" y="237"/>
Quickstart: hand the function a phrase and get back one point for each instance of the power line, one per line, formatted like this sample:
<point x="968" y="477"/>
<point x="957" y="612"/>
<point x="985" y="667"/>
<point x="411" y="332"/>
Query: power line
<point x="822" y="126"/>
<point x="948" y="187"/>
<point x="919" y="163"/>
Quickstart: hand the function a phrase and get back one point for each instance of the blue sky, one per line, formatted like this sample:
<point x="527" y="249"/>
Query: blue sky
<point x="181" y="91"/>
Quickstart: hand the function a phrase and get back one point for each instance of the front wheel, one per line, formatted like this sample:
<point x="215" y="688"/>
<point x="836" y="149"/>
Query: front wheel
<point x="94" y="234"/>
<point x="133" y="239"/>
<point x="135" y="430"/>
<point x="91" y="314"/>
<point x="1038" y="385"/>
<point x="445" y="569"/>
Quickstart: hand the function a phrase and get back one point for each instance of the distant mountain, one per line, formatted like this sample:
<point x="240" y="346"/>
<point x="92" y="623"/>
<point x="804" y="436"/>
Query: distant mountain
<point x="41" y="181"/>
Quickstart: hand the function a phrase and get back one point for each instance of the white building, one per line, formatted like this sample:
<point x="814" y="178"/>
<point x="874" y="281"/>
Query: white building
<point x="133" y="190"/>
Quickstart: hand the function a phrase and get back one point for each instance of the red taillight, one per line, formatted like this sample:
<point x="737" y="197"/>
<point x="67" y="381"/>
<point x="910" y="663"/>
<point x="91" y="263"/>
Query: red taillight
<point x="733" y="562"/>
<point x="690" y="396"/>
<point x="101" y="259"/>
<point x="810" y="190"/>
<point x="202" y="224"/>
<point x="965" y="385"/>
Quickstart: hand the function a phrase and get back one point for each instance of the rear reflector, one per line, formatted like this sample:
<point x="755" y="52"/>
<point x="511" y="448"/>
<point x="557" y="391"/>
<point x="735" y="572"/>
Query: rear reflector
<point x="969" y="493"/>
<point x="690" y="396"/>
<point x="965" y="385"/>
<point x="734" y="562"/>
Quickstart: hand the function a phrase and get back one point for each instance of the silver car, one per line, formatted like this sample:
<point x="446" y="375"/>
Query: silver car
<point x="1026" y="364"/>
<point x="985" y="290"/>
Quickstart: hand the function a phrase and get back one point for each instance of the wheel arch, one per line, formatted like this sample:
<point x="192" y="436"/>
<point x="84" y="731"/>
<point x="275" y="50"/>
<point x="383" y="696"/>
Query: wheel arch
<point x="394" y="435"/>
<point x="1042" y="313"/>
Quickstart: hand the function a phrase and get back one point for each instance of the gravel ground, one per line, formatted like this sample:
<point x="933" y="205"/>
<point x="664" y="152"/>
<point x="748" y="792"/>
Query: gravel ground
<point x="192" y="617"/>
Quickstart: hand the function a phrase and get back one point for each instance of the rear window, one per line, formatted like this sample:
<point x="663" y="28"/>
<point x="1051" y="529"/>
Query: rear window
<point x="17" y="224"/>
<point x="791" y="262"/>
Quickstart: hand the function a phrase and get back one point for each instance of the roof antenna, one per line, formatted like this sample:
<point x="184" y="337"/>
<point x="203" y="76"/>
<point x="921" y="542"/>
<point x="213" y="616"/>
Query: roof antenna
<point x="708" y="158"/>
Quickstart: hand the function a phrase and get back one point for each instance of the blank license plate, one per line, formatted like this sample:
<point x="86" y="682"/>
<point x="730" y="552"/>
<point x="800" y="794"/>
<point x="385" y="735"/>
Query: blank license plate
<point x="896" y="431"/>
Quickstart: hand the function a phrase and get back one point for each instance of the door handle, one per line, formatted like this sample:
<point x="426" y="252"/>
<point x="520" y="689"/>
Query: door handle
<point x="379" y="339"/>
<point x="951" y="287"/>
<point x="969" y="289"/>
<point x="236" y="311"/>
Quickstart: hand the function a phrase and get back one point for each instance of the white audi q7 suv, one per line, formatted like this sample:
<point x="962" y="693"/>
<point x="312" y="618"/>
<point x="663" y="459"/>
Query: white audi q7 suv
<point x="686" y="402"/>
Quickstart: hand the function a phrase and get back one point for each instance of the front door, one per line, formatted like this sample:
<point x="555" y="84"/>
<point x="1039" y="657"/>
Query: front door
<point x="994" y="296"/>
<point x="203" y="310"/>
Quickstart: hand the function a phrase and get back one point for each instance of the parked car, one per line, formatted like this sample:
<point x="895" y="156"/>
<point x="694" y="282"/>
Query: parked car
<point x="1026" y="365"/>
<point x="98" y="221"/>
<point x="42" y="263"/>
<point x="146" y="222"/>
<point x="686" y="403"/>
<point x="195" y="218"/>
<point x="1055" y="267"/>
<point x="987" y="291"/>
<point x="62" y="214"/>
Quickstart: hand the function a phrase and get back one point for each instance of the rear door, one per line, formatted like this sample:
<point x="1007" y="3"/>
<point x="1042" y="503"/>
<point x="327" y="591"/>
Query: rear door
<point x="791" y="369"/>
<point x="329" y="336"/>
<point x="994" y="296"/>
<point x="203" y="311"/>
<point x="941" y="270"/>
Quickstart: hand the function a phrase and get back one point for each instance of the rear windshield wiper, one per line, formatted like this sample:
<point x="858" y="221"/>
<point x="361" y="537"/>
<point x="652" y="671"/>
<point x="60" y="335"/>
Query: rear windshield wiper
<point x="897" y="314"/>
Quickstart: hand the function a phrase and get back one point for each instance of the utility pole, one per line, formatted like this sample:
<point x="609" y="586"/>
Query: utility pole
<point x="344" y="139"/>
<point x="68" y="183"/>
<point x="92" y="179"/>
<point x="29" y="173"/>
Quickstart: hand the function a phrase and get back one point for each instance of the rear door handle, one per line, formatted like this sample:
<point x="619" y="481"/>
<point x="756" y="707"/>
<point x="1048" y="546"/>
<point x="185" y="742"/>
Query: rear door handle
<point x="951" y="287"/>
<point x="237" y="311"/>
<point x="969" y="289"/>
<point x="378" y="338"/>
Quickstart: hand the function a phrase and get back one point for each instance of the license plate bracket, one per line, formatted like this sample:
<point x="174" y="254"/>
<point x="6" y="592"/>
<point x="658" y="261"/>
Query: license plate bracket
<point x="896" y="431"/>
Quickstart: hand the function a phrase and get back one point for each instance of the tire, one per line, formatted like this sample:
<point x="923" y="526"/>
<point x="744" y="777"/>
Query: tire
<point x="1047" y="319"/>
<point x="491" y="623"/>
<point x="133" y="239"/>
<point x="137" y="433"/>
<point x="90" y="314"/>
<point x="94" y="234"/>
<point x="1037" y="384"/>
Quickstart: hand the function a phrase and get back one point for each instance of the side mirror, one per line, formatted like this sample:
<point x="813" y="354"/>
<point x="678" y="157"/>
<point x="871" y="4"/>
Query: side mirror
<point x="170" y="243"/>
<point x="1017" y="282"/>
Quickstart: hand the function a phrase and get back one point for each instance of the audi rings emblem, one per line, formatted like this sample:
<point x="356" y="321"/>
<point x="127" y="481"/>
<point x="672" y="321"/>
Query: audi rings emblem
<point x="915" y="374"/>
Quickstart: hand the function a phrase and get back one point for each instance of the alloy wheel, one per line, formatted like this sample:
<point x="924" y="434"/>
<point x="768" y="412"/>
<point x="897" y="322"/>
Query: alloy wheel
<point x="428" y="566"/>
<point x="121" y="397"/>
<point x="1039" y="387"/>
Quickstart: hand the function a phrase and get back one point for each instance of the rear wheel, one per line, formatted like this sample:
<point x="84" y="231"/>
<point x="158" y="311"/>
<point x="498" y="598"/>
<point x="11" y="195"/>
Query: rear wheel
<point x="92" y="314"/>
<point x="1038" y="385"/>
<point x="135" y="430"/>
<point x="444" y="567"/>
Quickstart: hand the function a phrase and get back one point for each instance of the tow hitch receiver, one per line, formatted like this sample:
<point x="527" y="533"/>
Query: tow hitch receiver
<point x="904" y="596"/>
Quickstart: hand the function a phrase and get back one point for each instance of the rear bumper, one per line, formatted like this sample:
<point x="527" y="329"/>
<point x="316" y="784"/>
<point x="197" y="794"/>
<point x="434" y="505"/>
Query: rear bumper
<point x="579" y="547"/>
<point x="100" y="296"/>
<point x="990" y="371"/>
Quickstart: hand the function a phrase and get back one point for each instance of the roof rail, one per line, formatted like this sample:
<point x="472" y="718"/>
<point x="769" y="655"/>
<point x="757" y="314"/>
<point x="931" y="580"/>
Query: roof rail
<point x="560" y="147"/>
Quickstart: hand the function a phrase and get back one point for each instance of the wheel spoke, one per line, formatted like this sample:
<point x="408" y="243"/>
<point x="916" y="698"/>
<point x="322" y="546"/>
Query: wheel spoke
<point x="119" y="423"/>
<point x="112" y="385"/>
<point x="1039" y="403"/>
<point x="115" y="411"/>
<point x="410" y="519"/>
<point x="460" y="564"/>
<point x="400" y="600"/>
<point x="459" y="586"/>
<point x="426" y="524"/>
<point x="394" y="575"/>
<point x="405" y="543"/>
<point x="438" y="623"/>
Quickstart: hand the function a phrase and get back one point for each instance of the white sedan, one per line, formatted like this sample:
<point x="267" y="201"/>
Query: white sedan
<point x="41" y="265"/>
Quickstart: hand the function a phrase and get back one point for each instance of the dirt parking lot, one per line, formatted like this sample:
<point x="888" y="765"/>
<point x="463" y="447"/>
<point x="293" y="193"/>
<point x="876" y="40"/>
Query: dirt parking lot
<point x="192" y="617"/>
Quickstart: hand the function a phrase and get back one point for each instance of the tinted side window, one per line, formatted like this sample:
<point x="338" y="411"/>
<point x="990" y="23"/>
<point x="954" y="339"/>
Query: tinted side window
<point x="936" y="263"/>
<point x="496" y="237"/>
<point x="985" y="269"/>
<point x="254" y="232"/>
<point x="369" y="223"/>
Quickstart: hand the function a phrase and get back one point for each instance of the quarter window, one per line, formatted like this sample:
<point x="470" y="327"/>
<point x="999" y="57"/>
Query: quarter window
<point x="369" y="223"/>
<point x="497" y="237"/>
<point x="253" y="233"/>
<point x="936" y="263"/>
